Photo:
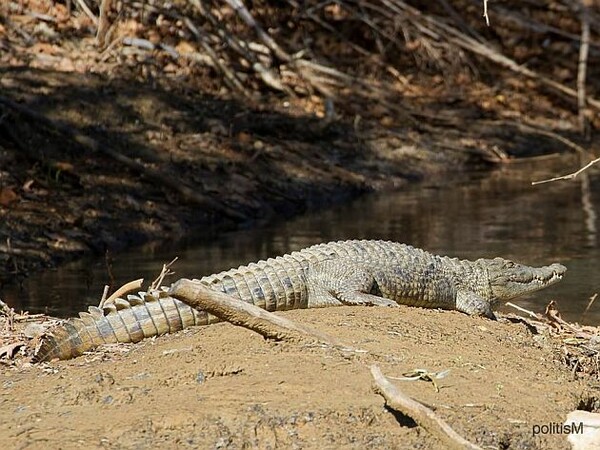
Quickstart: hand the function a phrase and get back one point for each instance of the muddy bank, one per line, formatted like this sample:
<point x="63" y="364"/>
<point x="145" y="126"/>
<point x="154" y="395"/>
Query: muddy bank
<point x="247" y="165"/>
<point x="223" y="386"/>
<point x="177" y="147"/>
<point x="244" y="164"/>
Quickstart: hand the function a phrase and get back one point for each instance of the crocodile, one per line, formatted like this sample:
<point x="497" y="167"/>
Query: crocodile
<point x="355" y="272"/>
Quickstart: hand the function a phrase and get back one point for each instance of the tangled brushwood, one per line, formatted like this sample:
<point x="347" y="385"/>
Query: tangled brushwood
<point x="344" y="52"/>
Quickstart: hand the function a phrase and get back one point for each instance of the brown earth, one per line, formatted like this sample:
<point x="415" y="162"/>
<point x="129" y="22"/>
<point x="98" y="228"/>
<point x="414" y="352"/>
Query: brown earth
<point x="223" y="386"/>
<point x="440" y="109"/>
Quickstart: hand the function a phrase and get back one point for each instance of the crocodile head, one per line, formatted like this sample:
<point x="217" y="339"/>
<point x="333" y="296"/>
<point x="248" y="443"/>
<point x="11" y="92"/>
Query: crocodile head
<point x="509" y="279"/>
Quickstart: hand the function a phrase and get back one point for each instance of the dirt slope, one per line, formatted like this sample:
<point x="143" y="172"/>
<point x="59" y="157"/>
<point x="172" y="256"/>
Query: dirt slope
<point x="226" y="387"/>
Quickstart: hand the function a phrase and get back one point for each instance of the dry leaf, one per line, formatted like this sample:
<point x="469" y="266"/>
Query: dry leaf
<point x="7" y="196"/>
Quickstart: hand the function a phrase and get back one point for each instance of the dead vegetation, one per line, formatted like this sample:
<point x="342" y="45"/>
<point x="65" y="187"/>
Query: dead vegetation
<point x="410" y="57"/>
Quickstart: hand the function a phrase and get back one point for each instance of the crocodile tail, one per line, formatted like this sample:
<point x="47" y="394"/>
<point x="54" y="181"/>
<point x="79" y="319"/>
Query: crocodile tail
<point x="140" y="316"/>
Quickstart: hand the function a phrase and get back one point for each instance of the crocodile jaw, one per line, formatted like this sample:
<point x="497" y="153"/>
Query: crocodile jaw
<point x="509" y="279"/>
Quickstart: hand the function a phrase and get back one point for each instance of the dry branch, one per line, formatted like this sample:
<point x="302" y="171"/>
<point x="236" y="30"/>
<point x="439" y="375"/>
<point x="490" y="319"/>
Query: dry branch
<point x="245" y="314"/>
<point x="269" y="76"/>
<point x="265" y="37"/>
<point x="231" y="78"/>
<point x="526" y="128"/>
<point x="570" y="175"/>
<point x="481" y="49"/>
<point x="422" y="415"/>
<point x="126" y="288"/>
<point x="582" y="66"/>
<point x="103" y="24"/>
<point x="88" y="12"/>
<point x="166" y="271"/>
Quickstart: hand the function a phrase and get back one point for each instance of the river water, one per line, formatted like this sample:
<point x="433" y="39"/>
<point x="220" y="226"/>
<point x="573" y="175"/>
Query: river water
<point x="485" y="214"/>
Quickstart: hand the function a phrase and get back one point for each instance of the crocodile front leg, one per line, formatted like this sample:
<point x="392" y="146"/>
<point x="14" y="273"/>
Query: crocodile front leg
<point x="475" y="305"/>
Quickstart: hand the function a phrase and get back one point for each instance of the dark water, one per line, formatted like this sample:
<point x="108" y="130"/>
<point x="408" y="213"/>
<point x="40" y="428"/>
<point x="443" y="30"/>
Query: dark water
<point x="486" y="215"/>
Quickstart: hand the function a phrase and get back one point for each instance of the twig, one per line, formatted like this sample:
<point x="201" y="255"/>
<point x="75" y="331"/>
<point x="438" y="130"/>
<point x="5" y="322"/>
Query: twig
<point x="104" y="296"/>
<point x="10" y="250"/>
<point x="127" y="287"/>
<point x="245" y="314"/>
<point x="482" y="49"/>
<point x="568" y="176"/>
<point x="485" y="13"/>
<point x="522" y="126"/>
<point x="109" y="267"/>
<point x="269" y="77"/>
<point x="88" y="12"/>
<point x="553" y="314"/>
<point x="590" y="303"/>
<point x="523" y="310"/>
<point x="103" y="24"/>
<point x="529" y="23"/>
<point x="458" y="18"/>
<point x="582" y="66"/>
<point x="230" y="77"/>
<point x="147" y="45"/>
<point x="422" y="415"/>
<point x="423" y="375"/>
<point x="166" y="270"/>
<point x="551" y="134"/>
<point x="243" y="13"/>
<point x="589" y="210"/>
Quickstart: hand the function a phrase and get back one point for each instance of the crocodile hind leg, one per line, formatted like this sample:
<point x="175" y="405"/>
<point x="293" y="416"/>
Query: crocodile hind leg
<point x="339" y="281"/>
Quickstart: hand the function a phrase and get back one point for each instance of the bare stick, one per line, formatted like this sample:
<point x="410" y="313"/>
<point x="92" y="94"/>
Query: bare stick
<point x="523" y="310"/>
<point x="551" y="134"/>
<point x="458" y="18"/>
<point x="244" y="314"/>
<point x="269" y="77"/>
<point x="166" y="270"/>
<point x="589" y="210"/>
<point x="103" y="24"/>
<point x="127" y="287"/>
<point x="88" y="12"/>
<point x="582" y="65"/>
<point x="104" y="296"/>
<point x="590" y="303"/>
<point x="422" y="415"/>
<point x="230" y="77"/>
<point x="485" y="13"/>
<point x="568" y="176"/>
<point x="243" y="13"/>
<point x="10" y="250"/>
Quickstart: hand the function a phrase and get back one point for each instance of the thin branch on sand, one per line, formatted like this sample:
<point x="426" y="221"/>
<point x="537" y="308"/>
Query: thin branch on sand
<point x="422" y="415"/>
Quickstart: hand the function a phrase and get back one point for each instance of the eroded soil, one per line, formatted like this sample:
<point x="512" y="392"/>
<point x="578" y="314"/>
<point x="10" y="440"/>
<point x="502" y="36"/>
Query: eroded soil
<point x="223" y="386"/>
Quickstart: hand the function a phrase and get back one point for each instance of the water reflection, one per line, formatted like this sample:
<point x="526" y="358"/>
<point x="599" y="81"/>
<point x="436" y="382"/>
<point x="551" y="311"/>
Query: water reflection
<point x="488" y="215"/>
